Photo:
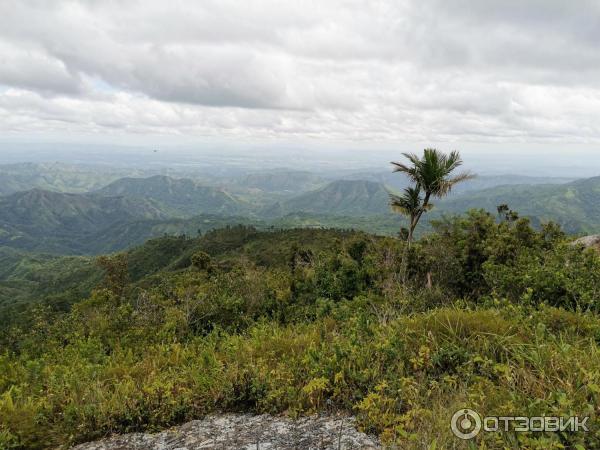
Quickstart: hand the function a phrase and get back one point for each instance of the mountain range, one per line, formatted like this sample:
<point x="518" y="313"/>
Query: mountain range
<point x="575" y="205"/>
<point x="131" y="209"/>
<point x="340" y="197"/>
<point x="40" y="220"/>
<point x="179" y="197"/>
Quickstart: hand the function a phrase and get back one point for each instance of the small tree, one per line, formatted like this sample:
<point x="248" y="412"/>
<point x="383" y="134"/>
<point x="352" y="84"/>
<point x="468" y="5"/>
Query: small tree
<point x="432" y="177"/>
<point x="116" y="273"/>
<point x="202" y="261"/>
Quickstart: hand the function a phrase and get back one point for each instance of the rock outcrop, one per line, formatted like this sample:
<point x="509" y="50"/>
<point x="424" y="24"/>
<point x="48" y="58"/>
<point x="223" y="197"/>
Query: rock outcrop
<point x="248" y="432"/>
<point x="591" y="241"/>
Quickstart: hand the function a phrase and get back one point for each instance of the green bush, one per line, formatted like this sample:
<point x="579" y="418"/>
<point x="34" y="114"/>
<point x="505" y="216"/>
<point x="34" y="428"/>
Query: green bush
<point x="319" y="321"/>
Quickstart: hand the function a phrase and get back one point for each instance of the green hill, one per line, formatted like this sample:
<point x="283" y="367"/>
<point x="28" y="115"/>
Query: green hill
<point x="29" y="278"/>
<point x="57" y="177"/>
<point x="489" y="314"/>
<point x="341" y="197"/>
<point x="129" y="211"/>
<point x="177" y="196"/>
<point x="282" y="181"/>
<point x="398" y="181"/>
<point x="575" y="205"/>
<point x="39" y="220"/>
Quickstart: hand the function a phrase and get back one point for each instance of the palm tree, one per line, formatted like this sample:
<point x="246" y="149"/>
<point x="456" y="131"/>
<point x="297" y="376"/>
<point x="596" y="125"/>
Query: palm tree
<point x="432" y="177"/>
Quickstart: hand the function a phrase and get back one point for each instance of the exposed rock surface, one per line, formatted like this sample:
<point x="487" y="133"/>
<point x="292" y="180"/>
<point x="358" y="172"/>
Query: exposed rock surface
<point x="592" y="241"/>
<point x="248" y="432"/>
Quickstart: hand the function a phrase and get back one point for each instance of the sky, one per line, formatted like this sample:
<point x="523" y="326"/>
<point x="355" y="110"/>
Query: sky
<point x="515" y="75"/>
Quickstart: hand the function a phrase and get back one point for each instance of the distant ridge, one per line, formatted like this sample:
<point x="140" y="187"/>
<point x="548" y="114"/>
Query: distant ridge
<point x="341" y="197"/>
<point x="282" y="181"/>
<point x="47" y="221"/>
<point x="178" y="196"/>
<point x="574" y="205"/>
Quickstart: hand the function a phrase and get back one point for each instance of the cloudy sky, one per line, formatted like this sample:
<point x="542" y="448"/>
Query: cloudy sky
<point x="376" y="71"/>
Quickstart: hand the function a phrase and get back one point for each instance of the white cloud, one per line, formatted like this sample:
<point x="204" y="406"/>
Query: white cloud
<point x="455" y="70"/>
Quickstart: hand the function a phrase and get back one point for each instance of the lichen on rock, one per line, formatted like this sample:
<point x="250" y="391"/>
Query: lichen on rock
<point x="248" y="432"/>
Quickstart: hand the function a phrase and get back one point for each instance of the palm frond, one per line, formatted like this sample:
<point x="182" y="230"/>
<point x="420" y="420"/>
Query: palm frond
<point x="408" y="203"/>
<point x="432" y="172"/>
<point x="464" y="176"/>
<point x="410" y="171"/>
<point x="446" y="185"/>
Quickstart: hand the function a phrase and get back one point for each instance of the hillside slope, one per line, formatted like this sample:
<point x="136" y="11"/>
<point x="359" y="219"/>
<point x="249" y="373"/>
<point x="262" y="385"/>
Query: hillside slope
<point x="292" y="181"/>
<point x="575" y="205"/>
<point x="183" y="196"/>
<point x="341" y="197"/>
<point x="57" y="177"/>
<point x="398" y="181"/>
<point x="311" y="323"/>
<point x="39" y="220"/>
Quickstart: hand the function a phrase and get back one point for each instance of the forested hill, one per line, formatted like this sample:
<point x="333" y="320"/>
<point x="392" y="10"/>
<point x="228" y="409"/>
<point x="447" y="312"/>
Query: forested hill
<point x="59" y="177"/>
<point x="51" y="221"/>
<point x="130" y="210"/>
<point x="341" y="197"/>
<point x="59" y="281"/>
<point x="305" y="322"/>
<point x="183" y="197"/>
<point x="574" y="205"/>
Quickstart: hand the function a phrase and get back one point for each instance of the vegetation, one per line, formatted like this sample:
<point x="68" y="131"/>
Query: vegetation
<point x="573" y="205"/>
<point x="352" y="198"/>
<point x="130" y="210"/>
<point x="301" y="321"/>
<point x="55" y="177"/>
<point x="431" y="175"/>
<point x="178" y="197"/>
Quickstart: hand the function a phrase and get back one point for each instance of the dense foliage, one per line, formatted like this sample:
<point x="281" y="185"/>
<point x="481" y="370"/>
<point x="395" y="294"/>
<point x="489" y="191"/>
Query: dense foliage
<point x="486" y="312"/>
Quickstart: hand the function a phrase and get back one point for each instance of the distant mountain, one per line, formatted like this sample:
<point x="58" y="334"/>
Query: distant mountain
<point x="57" y="177"/>
<point x="182" y="197"/>
<point x="129" y="211"/>
<point x="341" y="197"/>
<point x="575" y="205"/>
<point x="57" y="222"/>
<point x="481" y="182"/>
<point x="282" y="181"/>
<point x="398" y="181"/>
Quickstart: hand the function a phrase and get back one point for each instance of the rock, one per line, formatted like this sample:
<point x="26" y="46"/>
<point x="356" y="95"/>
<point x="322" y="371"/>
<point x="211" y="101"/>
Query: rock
<point x="248" y="432"/>
<point x="592" y="241"/>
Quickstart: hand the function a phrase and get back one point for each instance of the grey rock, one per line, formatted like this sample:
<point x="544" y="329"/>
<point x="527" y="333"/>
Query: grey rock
<point x="247" y="432"/>
<point x="592" y="241"/>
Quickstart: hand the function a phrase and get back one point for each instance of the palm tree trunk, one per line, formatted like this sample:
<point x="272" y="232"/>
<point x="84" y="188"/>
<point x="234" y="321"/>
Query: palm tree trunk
<point x="414" y="220"/>
<point x="411" y="230"/>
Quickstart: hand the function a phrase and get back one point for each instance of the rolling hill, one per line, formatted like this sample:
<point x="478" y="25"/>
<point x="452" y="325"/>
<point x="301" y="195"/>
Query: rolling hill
<point x="57" y="177"/>
<point x="39" y="220"/>
<point x="30" y="277"/>
<point x="282" y="181"/>
<point x="398" y="181"/>
<point x="178" y="196"/>
<point x="341" y="198"/>
<point x="129" y="211"/>
<point x="575" y="205"/>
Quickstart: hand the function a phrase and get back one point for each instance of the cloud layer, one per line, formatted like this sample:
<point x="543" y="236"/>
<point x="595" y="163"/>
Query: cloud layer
<point x="384" y="70"/>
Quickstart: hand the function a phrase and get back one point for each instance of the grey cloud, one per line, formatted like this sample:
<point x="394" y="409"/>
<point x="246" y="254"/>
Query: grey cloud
<point x="392" y="70"/>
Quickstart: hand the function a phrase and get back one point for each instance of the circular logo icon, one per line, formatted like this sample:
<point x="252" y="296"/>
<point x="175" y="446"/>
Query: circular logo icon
<point x="465" y="424"/>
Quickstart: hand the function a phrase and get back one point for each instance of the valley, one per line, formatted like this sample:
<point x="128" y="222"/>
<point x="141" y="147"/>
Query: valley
<point x="65" y="209"/>
<point x="150" y="300"/>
